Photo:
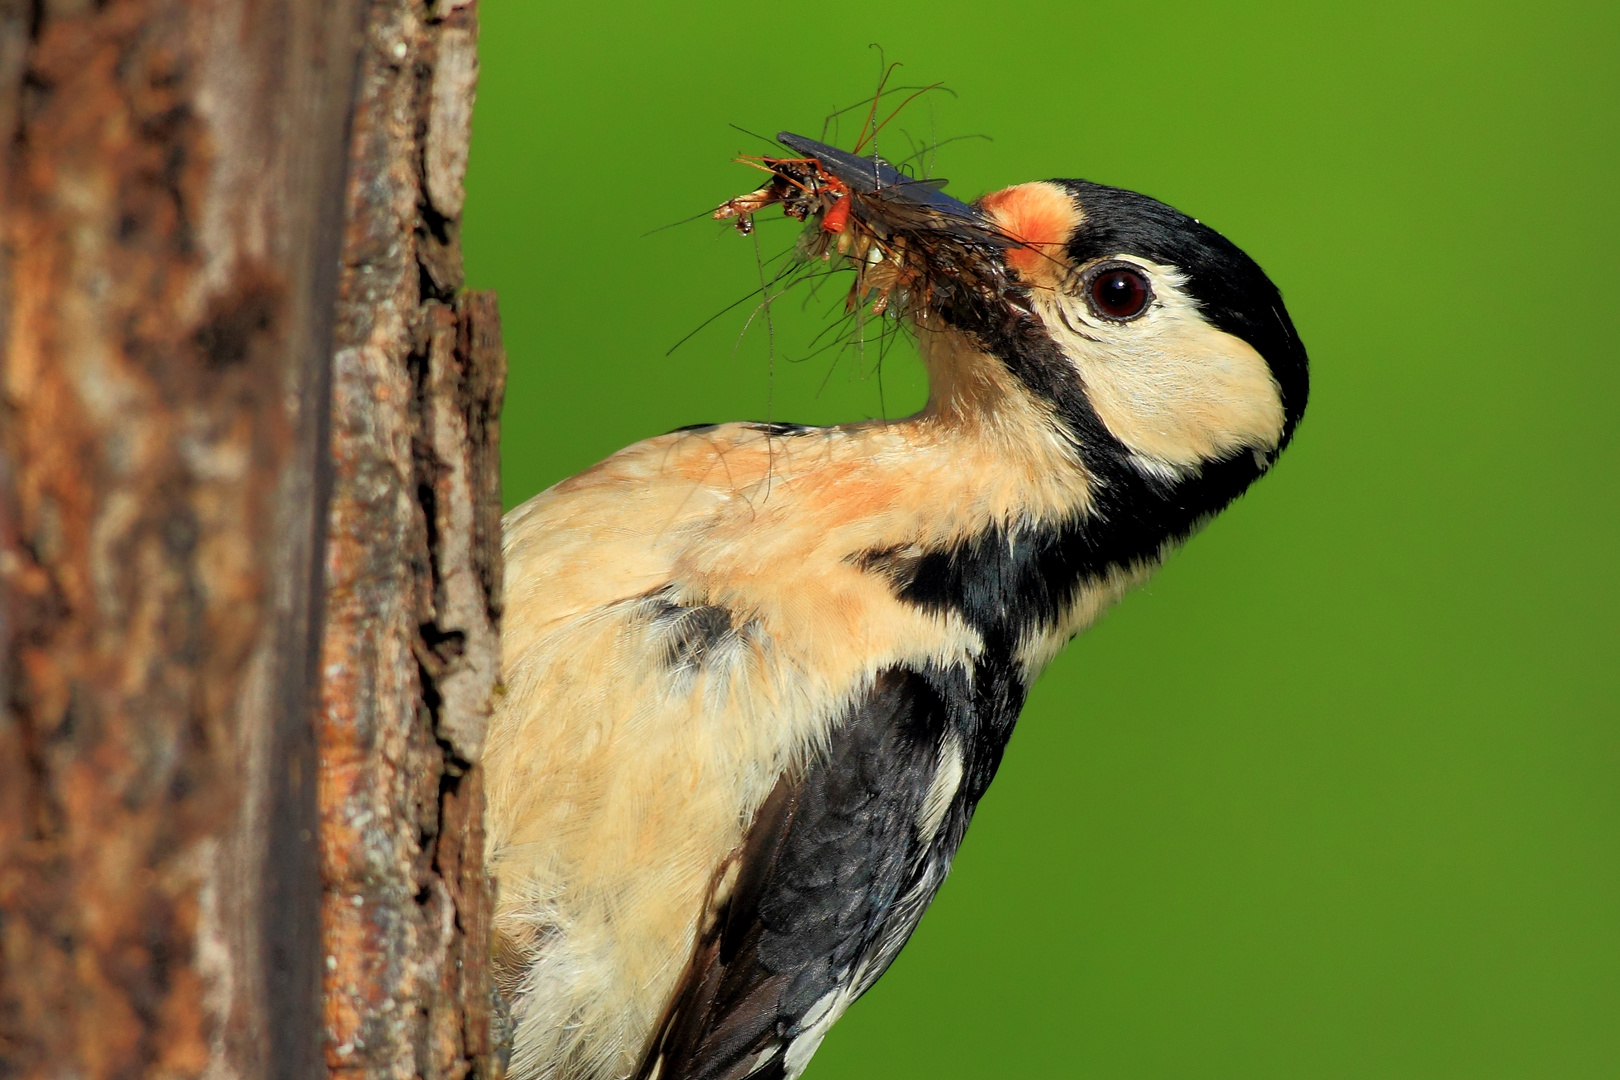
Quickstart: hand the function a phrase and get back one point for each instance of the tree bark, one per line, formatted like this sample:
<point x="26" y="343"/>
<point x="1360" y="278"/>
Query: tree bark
<point x="172" y="197"/>
<point x="217" y="219"/>
<point x="411" y="655"/>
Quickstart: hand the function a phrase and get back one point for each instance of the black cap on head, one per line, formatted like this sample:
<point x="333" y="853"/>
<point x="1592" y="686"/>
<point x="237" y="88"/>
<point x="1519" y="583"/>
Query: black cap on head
<point x="1233" y="293"/>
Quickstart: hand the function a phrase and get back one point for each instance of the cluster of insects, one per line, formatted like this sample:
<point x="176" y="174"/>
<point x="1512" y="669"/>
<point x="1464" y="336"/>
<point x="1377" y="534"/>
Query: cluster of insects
<point x="907" y="241"/>
<point x="915" y="256"/>
<point x="805" y="189"/>
<point x="913" y="249"/>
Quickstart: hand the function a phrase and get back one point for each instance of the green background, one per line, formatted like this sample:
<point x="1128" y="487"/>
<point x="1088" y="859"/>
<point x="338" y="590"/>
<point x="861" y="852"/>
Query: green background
<point x="1338" y="793"/>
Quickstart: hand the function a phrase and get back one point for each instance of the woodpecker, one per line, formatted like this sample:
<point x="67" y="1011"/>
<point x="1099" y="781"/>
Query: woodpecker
<point x="758" y="676"/>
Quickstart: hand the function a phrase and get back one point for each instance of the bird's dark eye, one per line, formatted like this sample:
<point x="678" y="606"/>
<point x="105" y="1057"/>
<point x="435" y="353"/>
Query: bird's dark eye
<point x="1119" y="293"/>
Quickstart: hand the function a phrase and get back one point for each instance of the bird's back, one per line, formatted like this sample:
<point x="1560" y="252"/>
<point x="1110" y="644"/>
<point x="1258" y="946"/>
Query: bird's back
<point x="685" y="623"/>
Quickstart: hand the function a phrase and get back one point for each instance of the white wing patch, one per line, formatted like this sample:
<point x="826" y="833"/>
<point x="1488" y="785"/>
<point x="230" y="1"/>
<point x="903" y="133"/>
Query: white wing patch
<point x="947" y="778"/>
<point x="821" y="1017"/>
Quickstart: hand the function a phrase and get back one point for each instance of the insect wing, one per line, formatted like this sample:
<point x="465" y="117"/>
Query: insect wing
<point x="873" y="176"/>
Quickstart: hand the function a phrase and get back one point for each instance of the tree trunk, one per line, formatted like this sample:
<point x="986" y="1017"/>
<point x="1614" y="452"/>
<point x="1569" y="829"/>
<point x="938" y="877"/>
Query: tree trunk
<point x="181" y="258"/>
<point x="411" y="655"/>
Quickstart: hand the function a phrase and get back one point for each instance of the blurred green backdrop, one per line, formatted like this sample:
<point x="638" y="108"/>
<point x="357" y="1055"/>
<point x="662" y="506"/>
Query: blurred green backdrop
<point x="1338" y="794"/>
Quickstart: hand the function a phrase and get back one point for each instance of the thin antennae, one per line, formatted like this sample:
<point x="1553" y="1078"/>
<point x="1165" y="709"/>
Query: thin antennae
<point x="935" y="147"/>
<point x="866" y="103"/>
<point x="683" y="221"/>
<point x="830" y="122"/>
<point x="770" y="367"/>
<point x="883" y="405"/>
<point x="888" y="70"/>
<point x="902" y="105"/>
<point x="770" y="326"/>
<point x="752" y="315"/>
<point x="747" y="296"/>
<point x="827" y="378"/>
<point x="772" y="143"/>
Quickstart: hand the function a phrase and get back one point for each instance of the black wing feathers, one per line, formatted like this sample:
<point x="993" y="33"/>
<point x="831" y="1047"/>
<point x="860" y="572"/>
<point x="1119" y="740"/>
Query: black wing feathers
<point x="833" y="868"/>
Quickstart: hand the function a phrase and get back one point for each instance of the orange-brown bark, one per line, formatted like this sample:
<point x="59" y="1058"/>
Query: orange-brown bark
<point x="410" y="655"/>
<point x="229" y="286"/>
<point x="172" y="187"/>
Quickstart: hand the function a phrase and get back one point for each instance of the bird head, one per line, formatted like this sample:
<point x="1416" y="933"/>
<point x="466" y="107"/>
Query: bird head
<point x="1147" y="343"/>
<point x="1143" y="326"/>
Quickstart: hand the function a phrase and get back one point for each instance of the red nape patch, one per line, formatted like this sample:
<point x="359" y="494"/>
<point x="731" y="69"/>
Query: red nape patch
<point x="1042" y="217"/>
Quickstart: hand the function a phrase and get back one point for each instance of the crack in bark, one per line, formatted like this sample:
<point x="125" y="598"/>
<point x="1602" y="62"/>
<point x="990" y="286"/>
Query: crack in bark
<point x="411" y="654"/>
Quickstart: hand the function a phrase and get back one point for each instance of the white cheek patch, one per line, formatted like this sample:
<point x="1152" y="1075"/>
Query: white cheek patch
<point x="1174" y="389"/>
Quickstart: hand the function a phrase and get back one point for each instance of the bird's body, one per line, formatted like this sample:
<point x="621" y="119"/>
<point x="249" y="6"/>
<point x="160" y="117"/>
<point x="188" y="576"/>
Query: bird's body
<point x="758" y="676"/>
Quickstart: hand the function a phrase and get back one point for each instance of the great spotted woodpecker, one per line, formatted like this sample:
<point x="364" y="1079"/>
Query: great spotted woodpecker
<point x="758" y="676"/>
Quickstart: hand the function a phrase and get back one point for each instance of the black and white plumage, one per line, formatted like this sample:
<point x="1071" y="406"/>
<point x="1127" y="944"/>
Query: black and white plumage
<point x="759" y="676"/>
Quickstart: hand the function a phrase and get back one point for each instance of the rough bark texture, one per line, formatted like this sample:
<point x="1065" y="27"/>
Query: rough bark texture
<point x="171" y="218"/>
<point x="173" y="182"/>
<point x="413" y="570"/>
